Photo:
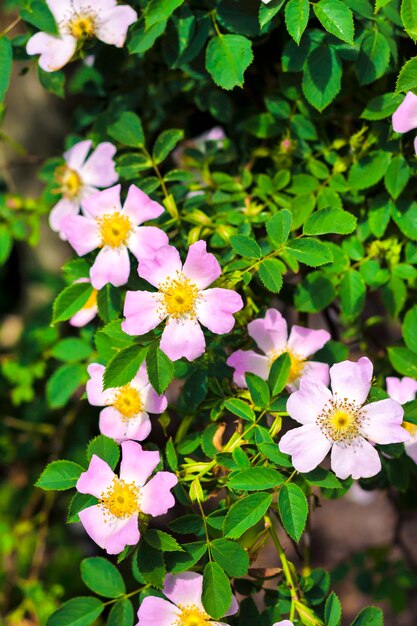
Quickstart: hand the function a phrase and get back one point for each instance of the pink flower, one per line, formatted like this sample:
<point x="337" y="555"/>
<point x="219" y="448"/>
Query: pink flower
<point x="113" y="522"/>
<point x="126" y="413"/>
<point x="115" y="230"/>
<point x="88" y="311"/>
<point x="78" y="20"/>
<point x="271" y="336"/>
<point x="184" y="605"/>
<point x="342" y="422"/>
<point x="182" y="297"/>
<point x="405" y="117"/>
<point x="285" y="622"/>
<point x="404" y="390"/>
<point x="80" y="177"/>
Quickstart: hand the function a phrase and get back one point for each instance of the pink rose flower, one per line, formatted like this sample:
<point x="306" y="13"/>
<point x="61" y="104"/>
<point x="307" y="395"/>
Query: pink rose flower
<point x="340" y="421"/>
<point x="113" y="522"/>
<point x="78" y="20"/>
<point x="115" y="230"/>
<point x="271" y="336"/>
<point x="405" y="117"/>
<point x="126" y="413"/>
<point x="88" y="311"/>
<point x="404" y="390"/>
<point x="285" y="622"/>
<point x="80" y="177"/>
<point x="182" y="297"/>
<point x="184" y="605"/>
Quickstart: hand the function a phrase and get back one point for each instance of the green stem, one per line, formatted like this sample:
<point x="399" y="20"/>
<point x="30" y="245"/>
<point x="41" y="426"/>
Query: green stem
<point x="285" y="568"/>
<point x="10" y="26"/>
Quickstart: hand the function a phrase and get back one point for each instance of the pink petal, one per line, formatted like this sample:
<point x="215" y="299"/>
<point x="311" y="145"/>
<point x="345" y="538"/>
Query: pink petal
<point x="75" y="156"/>
<point x="157" y="612"/>
<point x="83" y="317"/>
<point x="113" y="28"/>
<point x="135" y="428"/>
<point x="307" y="445"/>
<point x="63" y="208"/>
<point x="359" y="460"/>
<point x="411" y="449"/>
<point x="141" y="311"/>
<point x="270" y="332"/>
<point x="248" y="361"/>
<point x="234" y="607"/>
<point x="100" y="170"/>
<point x="184" y="589"/>
<point x="55" y="52"/>
<point x="215" y="309"/>
<point x="140" y="207"/>
<point x="95" y="394"/>
<point x="405" y="117"/>
<point x="313" y="369"/>
<point x="305" y="405"/>
<point x="352" y="380"/>
<point x="111" y="534"/>
<point x="166" y="264"/>
<point x="137" y="464"/>
<point x="183" y="338"/>
<point x="151" y="401"/>
<point x="383" y="422"/>
<point x="60" y="9"/>
<point x="200" y="266"/>
<point x="285" y="622"/>
<point x="104" y="6"/>
<point x="112" y="265"/>
<point x="103" y="202"/>
<point x="305" y="341"/>
<point x="82" y="233"/>
<point x="402" y="389"/>
<point x="97" y="479"/>
<point x="145" y="241"/>
<point x="156" y="497"/>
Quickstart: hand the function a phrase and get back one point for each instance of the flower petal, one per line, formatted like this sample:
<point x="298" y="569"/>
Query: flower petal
<point x="306" y="404"/>
<point x="95" y="394"/>
<point x="307" y="445"/>
<point x="103" y="202"/>
<point x="248" y="361"/>
<point x="156" y="496"/>
<point x="97" y="479"/>
<point x="114" y="426"/>
<point x="306" y="341"/>
<point x="157" y="612"/>
<point x="145" y="241"/>
<point x="111" y="534"/>
<point x="184" y="589"/>
<point x="401" y="389"/>
<point x="140" y="207"/>
<point x="405" y="117"/>
<point x="270" y="332"/>
<point x="112" y="265"/>
<point x="215" y="309"/>
<point x="141" y="310"/>
<point x="411" y="449"/>
<point x="233" y="608"/>
<point x="55" y="52"/>
<point x="100" y="170"/>
<point x="82" y="233"/>
<point x="137" y="464"/>
<point x="352" y="380"/>
<point x="183" y="338"/>
<point x="113" y="28"/>
<point x="165" y="264"/>
<point x="200" y="266"/>
<point x="359" y="460"/>
<point x="313" y="369"/>
<point x="383" y="422"/>
<point x="83" y="317"/>
<point x="75" y="156"/>
<point x="63" y="208"/>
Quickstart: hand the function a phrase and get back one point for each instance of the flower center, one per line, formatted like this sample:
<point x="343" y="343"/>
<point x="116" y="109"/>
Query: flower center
<point x="340" y="421"/>
<point x="115" y="229"/>
<point x="128" y="402"/>
<point x="297" y="364"/>
<point x="192" y="616"/>
<point x="121" y="499"/>
<point x="70" y="182"/>
<point x="92" y="300"/>
<point x="179" y="296"/>
<point x="82" y="26"/>
<point x="411" y="428"/>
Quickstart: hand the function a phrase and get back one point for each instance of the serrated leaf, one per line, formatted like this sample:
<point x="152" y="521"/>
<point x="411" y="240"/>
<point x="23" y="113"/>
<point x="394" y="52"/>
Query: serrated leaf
<point x="124" y="366"/>
<point x="81" y="611"/>
<point x="381" y="107"/>
<point x="246" y="246"/>
<point x="59" y="476"/>
<point x="296" y="18"/>
<point x="39" y="15"/>
<point x="79" y="502"/>
<point x="373" y="59"/>
<point x="245" y="513"/>
<point x="369" y="170"/>
<point x="336" y="18"/>
<point x="397" y="176"/>
<point x="121" y="614"/>
<point x="258" y="389"/>
<point x="315" y="293"/>
<point x="310" y="251"/>
<point x="371" y="616"/>
<point x="231" y="557"/>
<point x="63" y="383"/>
<point x="352" y="293"/>
<point x="322" y="77"/>
<point x="102" y="577"/>
<point x="160" y="10"/>
<point x="404" y="361"/>
<point x="217" y="594"/>
<point x="410" y="329"/>
<point x="106" y="448"/>
<point x="332" y="611"/>
<point x="70" y="301"/>
<point x="161" y="540"/>
<point x="240" y="408"/>
<point x="165" y="143"/>
<point x="269" y="11"/>
<point x="108" y="302"/>
<point x="279" y="227"/>
<point x="270" y="274"/>
<point x="151" y="565"/>
<point x="160" y="369"/>
<point x="328" y="221"/>
<point x="293" y="510"/>
<point x="279" y="373"/>
<point x="255" y="479"/>
<point x="128" y="130"/>
<point x="409" y="18"/>
<point x="227" y="59"/>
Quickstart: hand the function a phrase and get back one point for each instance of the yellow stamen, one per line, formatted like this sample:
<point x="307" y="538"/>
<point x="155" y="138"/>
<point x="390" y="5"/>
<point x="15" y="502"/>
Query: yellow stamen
<point x="121" y="499"/>
<point x="128" y="402"/>
<point x="192" y="616"/>
<point x="297" y="363"/>
<point x="82" y="26"/>
<point x="179" y="296"/>
<point x="92" y="300"/>
<point x="115" y="229"/>
<point x="341" y="420"/>
<point x="411" y="428"/>
<point x="69" y="181"/>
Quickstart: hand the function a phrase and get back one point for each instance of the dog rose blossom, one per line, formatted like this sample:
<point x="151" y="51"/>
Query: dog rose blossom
<point x="184" y="299"/>
<point x="81" y="176"/>
<point x="405" y="117"/>
<point x="113" y="522"/>
<point x="126" y="413"/>
<point x="340" y="421"/>
<point x="271" y="336"/>
<point x="88" y="311"/>
<point x="404" y="390"/>
<point x="115" y="230"/>
<point x="285" y="622"/>
<point x="78" y="20"/>
<point x="184" y="605"/>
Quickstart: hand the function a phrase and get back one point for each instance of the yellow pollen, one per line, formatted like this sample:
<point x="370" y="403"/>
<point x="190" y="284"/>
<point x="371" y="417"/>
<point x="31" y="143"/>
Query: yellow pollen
<point x="192" y="616"/>
<point x="179" y="296"/>
<point x="297" y="364"/>
<point x="128" y="402"/>
<point x="82" y="26"/>
<point x="411" y="428"/>
<point x="92" y="300"/>
<point x="121" y="499"/>
<point x="340" y="421"/>
<point x="70" y="182"/>
<point x="115" y="229"/>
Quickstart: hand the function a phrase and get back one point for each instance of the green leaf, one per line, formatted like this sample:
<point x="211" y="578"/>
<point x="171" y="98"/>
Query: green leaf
<point x="160" y="369"/>
<point x="397" y="176"/>
<point x="231" y="557"/>
<point x="268" y="11"/>
<point x="160" y="10"/>
<point x="322" y="77"/>
<point x="81" y="611"/>
<point x="255" y="479"/>
<point x="6" y="241"/>
<point x="245" y="513"/>
<point x="404" y="361"/>
<point x="409" y="18"/>
<point x="407" y="78"/>
<point x="70" y="301"/>
<point x="293" y="510"/>
<point x="6" y="61"/>
<point x="369" y="170"/>
<point x="315" y="293"/>
<point x="109" y="303"/>
<point x="245" y="246"/>
<point x="336" y="18"/>
<point x="102" y="577"/>
<point x="142" y="39"/>
<point x="161" y="540"/>
<point x="79" y="502"/>
<point x="309" y="251"/>
<point x="183" y="561"/>
<point x="217" y="594"/>
<point x="121" y="614"/>
<point x="352" y="293"/>
<point x="124" y="366"/>
<point x="63" y="383"/>
<point x="371" y="616"/>
<point x="59" y="476"/>
<point x="53" y="82"/>
<point x="373" y="57"/>
<point x="279" y="227"/>
<point x="106" y="448"/>
<point x="165" y="143"/>
<point x="332" y="611"/>
<point x="227" y="58"/>
<point x="240" y="408"/>
<point x="328" y="221"/>
<point x="39" y="15"/>
<point x="322" y="478"/>
<point x="410" y="329"/>
<point x="381" y="107"/>
<point x="151" y="565"/>
<point x="128" y="130"/>
<point x="270" y="274"/>
<point x="258" y="389"/>
<point x="296" y="18"/>
<point x="71" y="350"/>
<point x="279" y="373"/>
<point x="406" y="219"/>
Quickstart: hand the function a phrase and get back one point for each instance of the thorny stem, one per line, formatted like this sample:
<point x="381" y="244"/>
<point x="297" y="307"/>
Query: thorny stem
<point x="285" y="568"/>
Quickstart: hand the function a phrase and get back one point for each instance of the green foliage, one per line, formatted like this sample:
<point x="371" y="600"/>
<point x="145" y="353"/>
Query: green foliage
<point x="59" y="475"/>
<point x="293" y="510"/>
<point x="227" y="58"/>
<point x="102" y="577"/>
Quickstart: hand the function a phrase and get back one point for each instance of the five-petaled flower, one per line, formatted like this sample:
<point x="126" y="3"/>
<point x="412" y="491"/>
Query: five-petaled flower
<point x="113" y="522"/>
<point x="341" y="421"/>
<point x="78" y="20"/>
<point x="115" y="230"/>
<point x="80" y="177"/>
<point x="271" y="336"/>
<point x="182" y="297"/>
<point x="184" y="605"/>
<point x="126" y="413"/>
<point x="404" y="390"/>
